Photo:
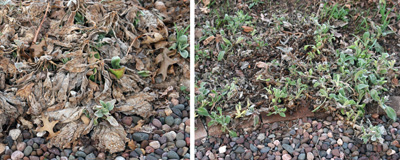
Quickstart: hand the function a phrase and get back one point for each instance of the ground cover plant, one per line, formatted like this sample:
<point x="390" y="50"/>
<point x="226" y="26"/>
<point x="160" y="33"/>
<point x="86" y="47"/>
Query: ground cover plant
<point x="94" y="79"/>
<point x="338" y="58"/>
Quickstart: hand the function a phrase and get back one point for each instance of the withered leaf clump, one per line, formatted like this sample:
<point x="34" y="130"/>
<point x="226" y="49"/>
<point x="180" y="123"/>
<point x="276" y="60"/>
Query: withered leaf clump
<point x="54" y="65"/>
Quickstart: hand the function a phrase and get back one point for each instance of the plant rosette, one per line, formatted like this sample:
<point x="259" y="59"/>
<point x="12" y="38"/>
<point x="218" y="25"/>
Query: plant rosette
<point x="116" y="69"/>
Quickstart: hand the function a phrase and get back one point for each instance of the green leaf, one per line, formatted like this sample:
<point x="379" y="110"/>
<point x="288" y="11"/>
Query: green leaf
<point x="374" y="95"/>
<point x="221" y="55"/>
<point x="184" y="53"/>
<point x="115" y="62"/>
<point x="210" y="123"/>
<point x="282" y="114"/>
<point x="112" y="120"/>
<point x="95" y="122"/>
<point x="361" y="86"/>
<point x="117" y="72"/>
<point x="182" y="39"/>
<point x="202" y="111"/>
<point x="98" y="113"/>
<point x="103" y="103"/>
<point x="359" y="73"/>
<point x="232" y="134"/>
<point x="391" y="113"/>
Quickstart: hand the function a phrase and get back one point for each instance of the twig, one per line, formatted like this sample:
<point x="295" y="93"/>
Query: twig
<point x="130" y="46"/>
<point x="40" y="26"/>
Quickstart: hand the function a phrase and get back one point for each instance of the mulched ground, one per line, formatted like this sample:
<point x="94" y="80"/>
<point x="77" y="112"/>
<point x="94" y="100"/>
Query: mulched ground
<point x="55" y="68"/>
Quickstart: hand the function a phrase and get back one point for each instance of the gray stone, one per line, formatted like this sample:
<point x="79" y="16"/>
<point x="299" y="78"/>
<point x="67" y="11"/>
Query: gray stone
<point x="180" y="136"/>
<point x="173" y="155"/>
<point x="28" y="150"/>
<point x="265" y="150"/>
<point x="302" y="156"/>
<point x="169" y="120"/>
<point x="180" y="143"/>
<point x="90" y="156"/>
<point x="239" y="150"/>
<point x="288" y="148"/>
<point x="80" y="154"/>
<point x="139" y="136"/>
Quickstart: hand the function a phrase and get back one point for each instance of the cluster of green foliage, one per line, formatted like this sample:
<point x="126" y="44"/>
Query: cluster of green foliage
<point x="181" y="42"/>
<point x="103" y="112"/>
<point x="218" y="119"/>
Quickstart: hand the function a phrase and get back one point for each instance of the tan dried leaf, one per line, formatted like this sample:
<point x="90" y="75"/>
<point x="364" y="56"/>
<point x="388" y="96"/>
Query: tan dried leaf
<point x="262" y="65"/>
<point x="208" y="40"/>
<point x="139" y="64"/>
<point x="165" y="63"/>
<point x="75" y="65"/>
<point x="111" y="138"/>
<point x="48" y="126"/>
<point x="132" y="145"/>
<point x="25" y="122"/>
<point x="25" y="91"/>
<point x="149" y="38"/>
<point x="37" y="49"/>
<point x="206" y="2"/>
<point x="247" y="29"/>
<point x="137" y="104"/>
<point x="137" y="127"/>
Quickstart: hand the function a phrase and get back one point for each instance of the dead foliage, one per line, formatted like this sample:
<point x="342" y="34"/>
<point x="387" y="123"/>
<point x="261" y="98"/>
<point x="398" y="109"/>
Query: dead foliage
<point x="55" y="59"/>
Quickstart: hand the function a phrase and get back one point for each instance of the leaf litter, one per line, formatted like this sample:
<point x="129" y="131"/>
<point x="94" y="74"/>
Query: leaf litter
<point x="54" y="61"/>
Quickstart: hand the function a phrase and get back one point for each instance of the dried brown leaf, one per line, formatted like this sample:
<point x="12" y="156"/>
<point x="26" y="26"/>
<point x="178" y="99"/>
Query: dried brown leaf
<point x="137" y="104"/>
<point x="247" y="29"/>
<point x="165" y="63"/>
<point x="111" y="138"/>
<point x="47" y="126"/>
<point x="208" y="40"/>
<point x="37" y="49"/>
<point x="25" y="91"/>
<point x="149" y="38"/>
<point x="139" y="64"/>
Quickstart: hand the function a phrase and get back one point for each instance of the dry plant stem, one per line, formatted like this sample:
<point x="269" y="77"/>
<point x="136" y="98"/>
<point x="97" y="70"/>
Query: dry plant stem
<point x="130" y="46"/>
<point x="41" y="23"/>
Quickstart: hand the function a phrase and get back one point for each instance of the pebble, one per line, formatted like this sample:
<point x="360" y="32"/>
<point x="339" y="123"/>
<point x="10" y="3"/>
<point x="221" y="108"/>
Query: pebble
<point x="180" y="143"/>
<point x="261" y="136"/>
<point x="14" y="133"/>
<point x="139" y="136"/>
<point x="90" y="156"/>
<point x="127" y="120"/>
<point x="288" y="148"/>
<point x="222" y="149"/>
<point x="21" y="146"/>
<point x="340" y="142"/>
<point x="155" y="144"/>
<point x="2" y="148"/>
<point x="173" y="155"/>
<point x="17" y="155"/>
<point x="28" y="150"/>
<point x="169" y="120"/>
<point x="265" y="150"/>
<point x="286" y="157"/>
<point x="180" y="136"/>
<point x="80" y="154"/>
<point x="302" y="156"/>
<point x="157" y="123"/>
<point x="335" y="152"/>
<point x="34" y="158"/>
<point x="239" y="150"/>
<point x="119" y="158"/>
<point x="170" y="136"/>
<point x="310" y="156"/>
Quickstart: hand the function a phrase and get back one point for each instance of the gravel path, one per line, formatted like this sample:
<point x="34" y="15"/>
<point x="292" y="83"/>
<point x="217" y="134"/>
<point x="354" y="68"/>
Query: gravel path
<point x="169" y="140"/>
<point x="309" y="139"/>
